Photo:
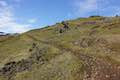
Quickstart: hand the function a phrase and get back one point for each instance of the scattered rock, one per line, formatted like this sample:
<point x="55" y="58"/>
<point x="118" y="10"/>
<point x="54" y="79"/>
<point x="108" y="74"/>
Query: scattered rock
<point x="10" y="69"/>
<point x="65" y="25"/>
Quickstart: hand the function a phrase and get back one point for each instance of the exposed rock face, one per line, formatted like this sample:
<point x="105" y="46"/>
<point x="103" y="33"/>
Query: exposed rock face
<point x="64" y="28"/>
<point x="65" y="25"/>
<point x="10" y="69"/>
<point x="86" y="49"/>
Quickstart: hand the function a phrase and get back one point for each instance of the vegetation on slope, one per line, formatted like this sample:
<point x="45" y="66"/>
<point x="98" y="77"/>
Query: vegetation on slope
<point x="81" y="49"/>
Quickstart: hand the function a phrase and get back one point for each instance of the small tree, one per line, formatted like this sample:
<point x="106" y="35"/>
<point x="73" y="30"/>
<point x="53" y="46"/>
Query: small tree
<point x="117" y="16"/>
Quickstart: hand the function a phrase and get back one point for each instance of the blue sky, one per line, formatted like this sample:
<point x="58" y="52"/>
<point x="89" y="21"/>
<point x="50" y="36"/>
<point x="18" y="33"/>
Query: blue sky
<point x="23" y="15"/>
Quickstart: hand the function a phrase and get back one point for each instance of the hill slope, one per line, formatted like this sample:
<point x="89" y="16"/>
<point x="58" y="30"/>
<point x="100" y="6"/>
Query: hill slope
<point x="81" y="49"/>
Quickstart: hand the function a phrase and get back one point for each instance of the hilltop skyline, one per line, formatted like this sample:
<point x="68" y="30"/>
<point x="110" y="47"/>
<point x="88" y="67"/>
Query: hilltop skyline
<point x="18" y="16"/>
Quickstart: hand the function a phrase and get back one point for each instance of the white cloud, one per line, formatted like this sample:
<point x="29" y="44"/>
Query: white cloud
<point x="3" y="3"/>
<point x="32" y="20"/>
<point x="8" y="22"/>
<point x="99" y="7"/>
<point x="87" y="5"/>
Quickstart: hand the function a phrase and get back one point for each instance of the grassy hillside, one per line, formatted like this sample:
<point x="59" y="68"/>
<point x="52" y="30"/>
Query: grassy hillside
<point x="81" y="49"/>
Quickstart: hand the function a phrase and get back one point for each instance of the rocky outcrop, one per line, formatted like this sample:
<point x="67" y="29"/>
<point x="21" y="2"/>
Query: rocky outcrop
<point x="64" y="28"/>
<point x="10" y="69"/>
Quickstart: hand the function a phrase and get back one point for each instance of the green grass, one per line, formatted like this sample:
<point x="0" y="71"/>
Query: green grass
<point x="61" y="67"/>
<point x="63" y="63"/>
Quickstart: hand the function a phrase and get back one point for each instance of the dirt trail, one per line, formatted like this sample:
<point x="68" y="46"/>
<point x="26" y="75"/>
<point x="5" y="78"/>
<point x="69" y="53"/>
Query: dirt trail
<point x="96" y="68"/>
